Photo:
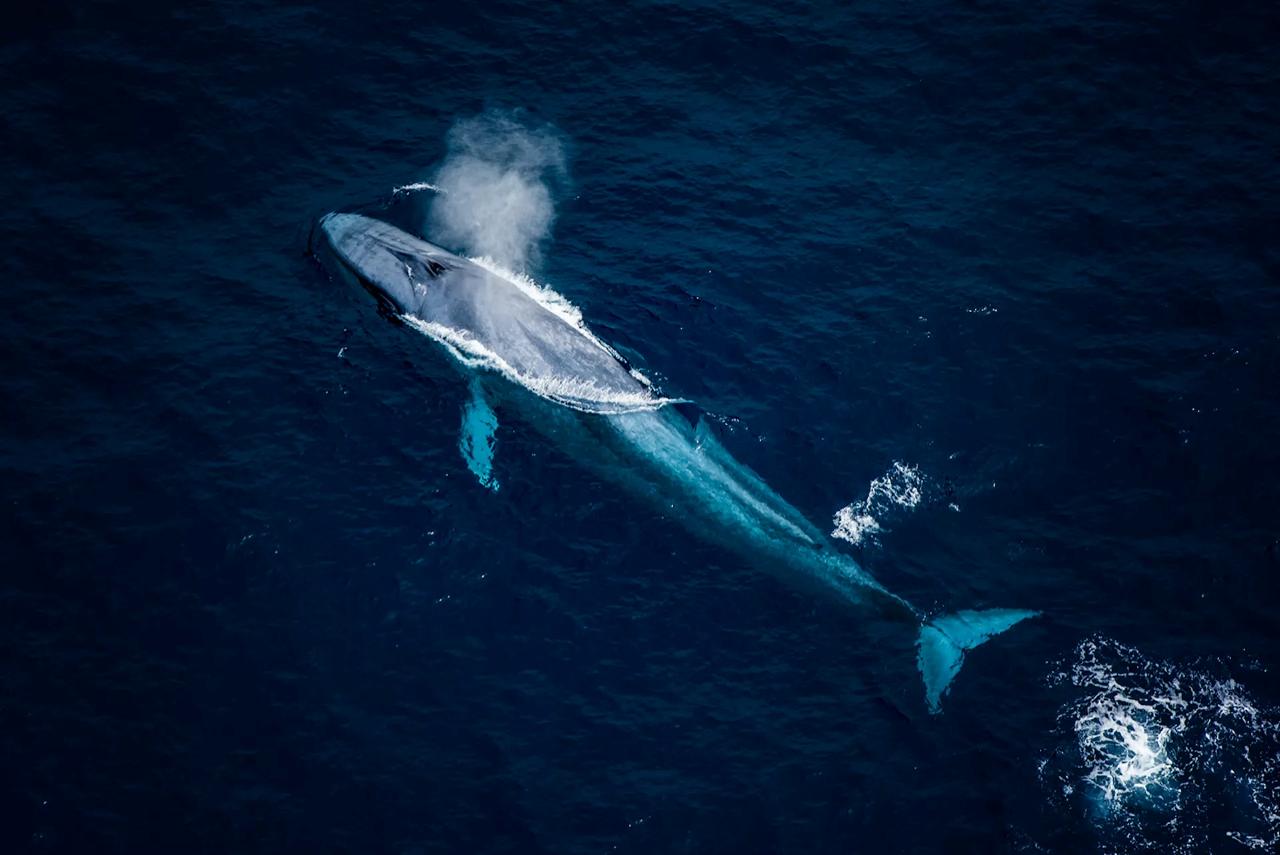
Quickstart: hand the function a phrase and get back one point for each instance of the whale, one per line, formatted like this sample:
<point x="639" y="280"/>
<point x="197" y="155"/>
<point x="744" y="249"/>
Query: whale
<point x="524" y="349"/>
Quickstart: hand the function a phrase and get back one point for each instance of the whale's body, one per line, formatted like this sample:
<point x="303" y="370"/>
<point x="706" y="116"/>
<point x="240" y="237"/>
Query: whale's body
<point x="532" y="354"/>
<point x="488" y="316"/>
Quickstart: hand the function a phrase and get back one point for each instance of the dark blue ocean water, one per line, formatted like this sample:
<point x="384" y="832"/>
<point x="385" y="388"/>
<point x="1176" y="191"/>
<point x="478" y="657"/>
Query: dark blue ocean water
<point x="251" y="599"/>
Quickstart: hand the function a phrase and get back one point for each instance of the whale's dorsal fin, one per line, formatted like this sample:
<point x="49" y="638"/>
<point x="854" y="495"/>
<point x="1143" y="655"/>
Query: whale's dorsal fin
<point x="477" y="439"/>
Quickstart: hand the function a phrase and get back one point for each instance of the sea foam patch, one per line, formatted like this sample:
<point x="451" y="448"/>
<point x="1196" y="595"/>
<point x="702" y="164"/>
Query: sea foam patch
<point x="415" y="187"/>
<point x="901" y="488"/>
<point x="1165" y="758"/>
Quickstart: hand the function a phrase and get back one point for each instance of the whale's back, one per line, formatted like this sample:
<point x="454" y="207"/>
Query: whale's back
<point x="542" y="349"/>
<point x="490" y="318"/>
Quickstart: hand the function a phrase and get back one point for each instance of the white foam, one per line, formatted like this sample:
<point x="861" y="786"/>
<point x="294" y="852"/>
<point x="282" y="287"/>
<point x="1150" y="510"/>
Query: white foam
<point x="902" y="487"/>
<point x="854" y="524"/>
<point x="416" y="187"/>
<point x="1160" y="753"/>
<point x="1125" y="743"/>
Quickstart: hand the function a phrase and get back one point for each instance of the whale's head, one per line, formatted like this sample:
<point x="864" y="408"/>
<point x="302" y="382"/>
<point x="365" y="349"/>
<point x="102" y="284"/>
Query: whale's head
<point x="396" y="266"/>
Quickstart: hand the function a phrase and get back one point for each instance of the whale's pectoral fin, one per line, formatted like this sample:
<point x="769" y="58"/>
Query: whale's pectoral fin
<point x="477" y="440"/>
<point x="944" y="640"/>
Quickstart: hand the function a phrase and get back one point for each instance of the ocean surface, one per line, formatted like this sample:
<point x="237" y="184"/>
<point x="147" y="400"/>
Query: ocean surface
<point x="991" y="291"/>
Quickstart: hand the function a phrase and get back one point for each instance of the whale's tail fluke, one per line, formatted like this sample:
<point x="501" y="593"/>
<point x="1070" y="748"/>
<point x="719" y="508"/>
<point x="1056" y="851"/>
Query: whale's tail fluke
<point x="944" y="640"/>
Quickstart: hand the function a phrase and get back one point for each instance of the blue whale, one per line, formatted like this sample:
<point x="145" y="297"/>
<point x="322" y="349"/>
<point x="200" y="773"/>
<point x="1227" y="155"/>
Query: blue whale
<point x="529" y="351"/>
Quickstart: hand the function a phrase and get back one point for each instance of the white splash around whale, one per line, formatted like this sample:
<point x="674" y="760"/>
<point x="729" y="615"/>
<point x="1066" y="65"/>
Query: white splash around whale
<point x="902" y="487"/>
<point x="416" y="187"/>
<point x="1163" y="757"/>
